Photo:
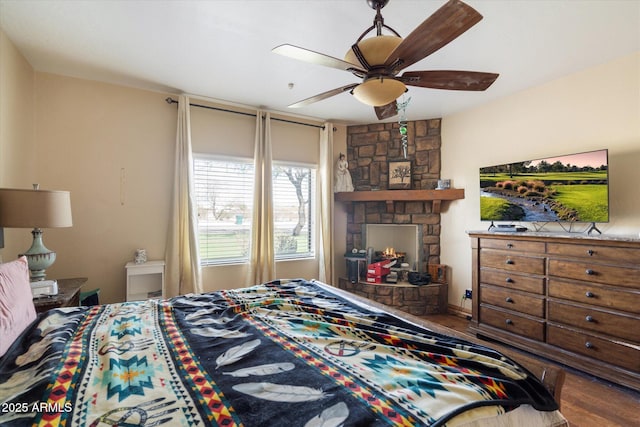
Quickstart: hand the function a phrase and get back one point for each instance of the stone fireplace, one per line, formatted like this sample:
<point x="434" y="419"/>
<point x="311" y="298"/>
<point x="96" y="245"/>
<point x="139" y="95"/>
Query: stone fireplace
<point x="369" y="149"/>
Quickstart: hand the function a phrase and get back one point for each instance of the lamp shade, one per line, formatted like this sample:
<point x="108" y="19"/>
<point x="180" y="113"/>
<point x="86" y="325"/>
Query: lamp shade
<point x="379" y="91"/>
<point x="34" y="208"/>
<point x="375" y="50"/>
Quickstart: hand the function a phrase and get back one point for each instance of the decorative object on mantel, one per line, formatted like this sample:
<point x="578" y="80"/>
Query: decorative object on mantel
<point x="399" y="175"/>
<point x="20" y="208"/>
<point x="343" y="181"/>
<point x="443" y="184"/>
<point x="402" y="107"/>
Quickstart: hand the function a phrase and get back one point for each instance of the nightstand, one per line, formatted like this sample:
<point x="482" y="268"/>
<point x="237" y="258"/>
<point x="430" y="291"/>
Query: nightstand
<point x="68" y="295"/>
<point x="145" y="280"/>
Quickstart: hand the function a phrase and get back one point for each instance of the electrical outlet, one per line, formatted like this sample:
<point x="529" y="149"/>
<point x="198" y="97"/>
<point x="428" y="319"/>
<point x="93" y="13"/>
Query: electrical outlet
<point x="467" y="293"/>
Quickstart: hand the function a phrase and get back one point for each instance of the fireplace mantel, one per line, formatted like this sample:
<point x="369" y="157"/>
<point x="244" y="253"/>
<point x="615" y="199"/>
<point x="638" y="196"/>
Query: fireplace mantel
<point x="390" y="196"/>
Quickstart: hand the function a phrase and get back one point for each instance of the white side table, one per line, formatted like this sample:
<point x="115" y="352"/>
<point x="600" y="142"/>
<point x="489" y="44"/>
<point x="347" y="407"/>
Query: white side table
<point x="145" y="280"/>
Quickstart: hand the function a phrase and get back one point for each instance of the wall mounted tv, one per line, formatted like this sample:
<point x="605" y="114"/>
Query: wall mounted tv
<point x="571" y="188"/>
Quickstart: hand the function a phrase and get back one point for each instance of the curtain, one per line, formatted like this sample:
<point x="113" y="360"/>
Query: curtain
<point x="183" y="273"/>
<point x="262" y="265"/>
<point x="325" y="202"/>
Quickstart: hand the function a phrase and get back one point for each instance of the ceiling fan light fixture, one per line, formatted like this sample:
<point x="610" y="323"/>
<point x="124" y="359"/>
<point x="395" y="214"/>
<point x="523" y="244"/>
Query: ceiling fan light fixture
<point x="377" y="60"/>
<point x="375" y="50"/>
<point x="379" y="91"/>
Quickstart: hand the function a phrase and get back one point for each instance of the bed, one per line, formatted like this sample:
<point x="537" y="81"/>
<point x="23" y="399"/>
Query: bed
<point x="283" y="353"/>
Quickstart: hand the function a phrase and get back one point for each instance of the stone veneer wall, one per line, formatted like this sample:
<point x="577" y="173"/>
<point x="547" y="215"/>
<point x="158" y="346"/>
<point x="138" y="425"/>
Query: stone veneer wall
<point x="369" y="148"/>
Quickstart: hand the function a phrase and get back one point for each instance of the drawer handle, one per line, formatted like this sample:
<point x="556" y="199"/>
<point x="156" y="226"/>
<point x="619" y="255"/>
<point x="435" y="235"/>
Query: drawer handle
<point x="509" y="245"/>
<point x="508" y="299"/>
<point x="588" y="344"/>
<point x="509" y="322"/>
<point x="589" y="294"/>
<point x="510" y="262"/>
<point x="509" y="280"/>
<point x="589" y="319"/>
<point x="590" y="272"/>
<point x="590" y="252"/>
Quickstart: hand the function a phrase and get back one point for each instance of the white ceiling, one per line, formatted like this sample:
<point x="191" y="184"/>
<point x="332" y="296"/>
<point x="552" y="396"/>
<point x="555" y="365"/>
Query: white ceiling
<point x="221" y="49"/>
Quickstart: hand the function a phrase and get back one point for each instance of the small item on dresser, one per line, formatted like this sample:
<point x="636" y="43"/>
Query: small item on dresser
<point x="141" y="256"/>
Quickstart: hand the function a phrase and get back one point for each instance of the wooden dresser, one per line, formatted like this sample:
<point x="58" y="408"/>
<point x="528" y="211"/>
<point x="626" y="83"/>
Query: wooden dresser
<point x="571" y="298"/>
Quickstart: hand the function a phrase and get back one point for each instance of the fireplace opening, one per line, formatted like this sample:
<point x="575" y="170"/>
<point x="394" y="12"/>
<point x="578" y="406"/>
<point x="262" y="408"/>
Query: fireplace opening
<point x="397" y="238"/>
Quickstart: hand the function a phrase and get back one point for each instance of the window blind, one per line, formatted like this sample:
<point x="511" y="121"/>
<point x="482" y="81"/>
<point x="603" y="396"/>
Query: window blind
<point x="224" y="197"/>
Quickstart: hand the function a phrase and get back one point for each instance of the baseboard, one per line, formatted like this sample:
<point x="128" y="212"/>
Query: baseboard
<point x="456" y="310"/>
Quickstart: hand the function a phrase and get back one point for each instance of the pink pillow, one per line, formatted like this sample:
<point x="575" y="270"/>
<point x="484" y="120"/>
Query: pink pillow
<point x="16" y="302"/>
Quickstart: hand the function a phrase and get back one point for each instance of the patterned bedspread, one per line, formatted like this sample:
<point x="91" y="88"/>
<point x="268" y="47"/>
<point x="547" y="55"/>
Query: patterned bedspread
<point x="277" y="354"/>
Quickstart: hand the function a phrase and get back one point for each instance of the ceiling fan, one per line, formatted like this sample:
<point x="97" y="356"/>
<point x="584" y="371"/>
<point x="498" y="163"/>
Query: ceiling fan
<point x="377" y="60"/>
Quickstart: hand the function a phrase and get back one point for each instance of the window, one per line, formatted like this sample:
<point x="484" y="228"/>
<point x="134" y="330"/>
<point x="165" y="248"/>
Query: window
<point x="293" y="207"/>
<point x="224" y="198"/>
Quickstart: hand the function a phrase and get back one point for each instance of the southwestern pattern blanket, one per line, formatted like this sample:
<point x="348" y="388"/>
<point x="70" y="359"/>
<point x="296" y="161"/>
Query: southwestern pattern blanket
<point x="282" y="353"/>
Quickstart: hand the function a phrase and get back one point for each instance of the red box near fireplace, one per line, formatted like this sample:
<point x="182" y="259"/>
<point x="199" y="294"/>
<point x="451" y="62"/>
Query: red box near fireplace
<point x="372" y="278"/>
<point x="381" y="268"/>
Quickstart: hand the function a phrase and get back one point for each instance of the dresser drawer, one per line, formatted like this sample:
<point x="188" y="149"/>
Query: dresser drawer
<point x="510" y="262"/>
<point x="513" y="300"/>
<point x="619" y="354"/>
<point x="590" y="272"/>
<point x="592" y="293"/>
<point x="512" y="322"/>
<point x="591" y="319"/>
<point x="596" y="252"/>
<point x="513" y="245"/>
<point x="512" y="280"/>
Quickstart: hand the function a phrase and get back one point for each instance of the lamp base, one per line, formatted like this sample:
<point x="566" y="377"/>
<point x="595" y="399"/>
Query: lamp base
<point x="39" y="257"/>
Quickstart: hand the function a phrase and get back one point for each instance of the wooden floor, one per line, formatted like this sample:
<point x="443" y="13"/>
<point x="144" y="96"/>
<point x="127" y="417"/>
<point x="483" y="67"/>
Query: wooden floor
<point x="586" y="401"/>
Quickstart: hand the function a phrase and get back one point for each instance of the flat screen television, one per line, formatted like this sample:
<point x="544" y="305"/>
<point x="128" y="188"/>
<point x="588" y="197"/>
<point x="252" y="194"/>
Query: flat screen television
<point x="568" y="188"/>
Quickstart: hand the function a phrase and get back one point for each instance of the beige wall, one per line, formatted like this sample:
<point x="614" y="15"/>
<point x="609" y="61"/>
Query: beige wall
<point x="16" y="115"/>
<point x="17" y="82"/>
<point x="593" y="109"/>
<point x="112" y="147"/>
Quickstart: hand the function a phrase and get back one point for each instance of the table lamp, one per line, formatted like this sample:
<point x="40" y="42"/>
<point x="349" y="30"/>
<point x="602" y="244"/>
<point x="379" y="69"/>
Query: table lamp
<point x="36" y="209"/>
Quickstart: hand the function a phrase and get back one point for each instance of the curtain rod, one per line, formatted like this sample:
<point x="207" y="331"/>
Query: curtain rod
<point x="173" y="101"/>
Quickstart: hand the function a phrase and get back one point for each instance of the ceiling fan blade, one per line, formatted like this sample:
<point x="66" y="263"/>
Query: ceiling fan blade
<point x="449" y="79"/>
<point x="386" y="111"/>
<point x="444" y="26"/>
<point x="324" y="95"/>
<point x="312" y="57"/>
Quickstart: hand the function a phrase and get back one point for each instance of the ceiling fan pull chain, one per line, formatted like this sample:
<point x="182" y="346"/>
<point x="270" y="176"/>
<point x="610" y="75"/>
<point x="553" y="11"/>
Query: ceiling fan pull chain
<point x="403" y="124"/>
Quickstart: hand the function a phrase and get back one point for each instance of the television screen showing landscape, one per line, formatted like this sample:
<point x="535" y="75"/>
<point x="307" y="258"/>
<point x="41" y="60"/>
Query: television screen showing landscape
<point x="570" y="188"/>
